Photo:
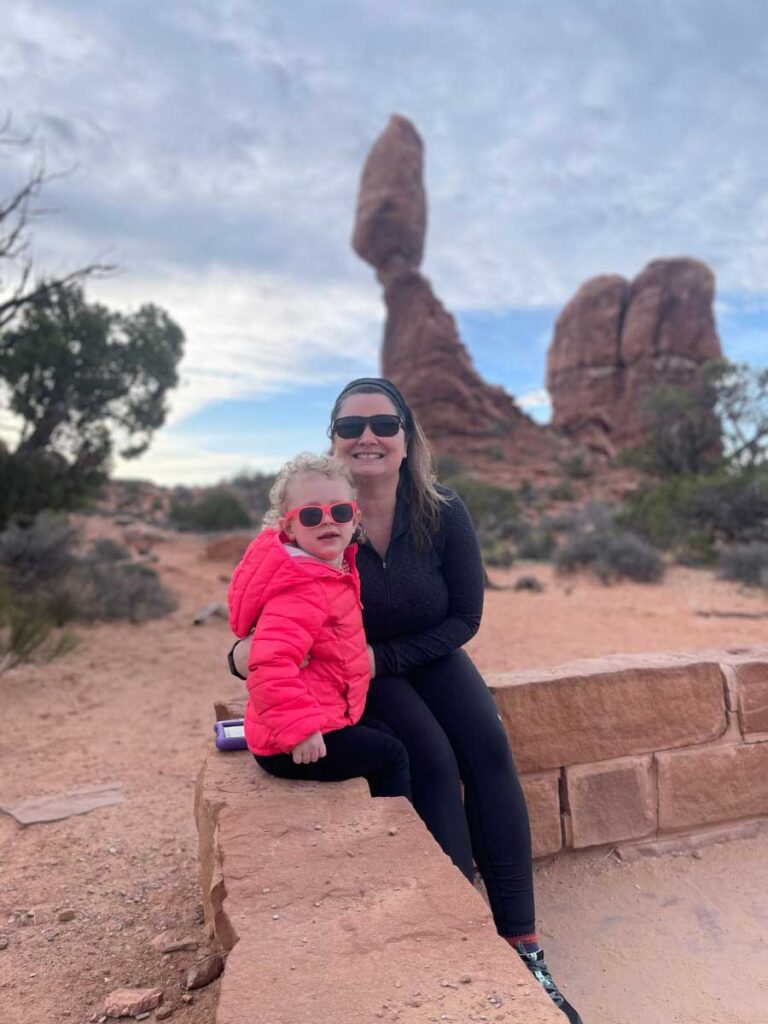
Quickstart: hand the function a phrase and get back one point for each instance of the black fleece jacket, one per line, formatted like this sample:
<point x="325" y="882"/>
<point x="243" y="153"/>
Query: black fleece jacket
<point x="421" y="605"/>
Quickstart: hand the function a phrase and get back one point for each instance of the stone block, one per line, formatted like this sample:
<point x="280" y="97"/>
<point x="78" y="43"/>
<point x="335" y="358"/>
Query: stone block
<point x="343" y="909"/>
<point x="752" y="689"/>
<point x="542" y="794"/>
<point x="611" y="801"/>
<point x="610" y="707"/>
<point x="720" y="783"/>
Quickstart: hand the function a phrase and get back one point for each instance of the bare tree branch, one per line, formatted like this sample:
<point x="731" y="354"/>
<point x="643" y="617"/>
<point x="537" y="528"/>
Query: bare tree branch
<point x="16" y="212"/>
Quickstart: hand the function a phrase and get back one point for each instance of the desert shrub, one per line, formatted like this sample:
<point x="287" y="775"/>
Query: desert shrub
<point x="747" y="563"/>
<point x="612" y="553"/>
<point x="494" y="510"/>
<point x="104" y="549"/>
<point x="110" y="591"/>
<point x="216" y="510"/>
<point x="562" y="491"/>
<point x="575" y="467"/>
<point x="535" y="541"/>
<point x="527" y="492"/>
<point x="495" y="452"/>
<point x="45" y="582"/>
<point x="498" y="553"/>
<point x="34" y="556"/>
<point x="695" y="514"/>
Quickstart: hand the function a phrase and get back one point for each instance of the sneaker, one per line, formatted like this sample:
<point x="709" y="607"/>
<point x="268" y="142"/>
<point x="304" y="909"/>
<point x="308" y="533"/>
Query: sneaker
<point x="537" y="965"/>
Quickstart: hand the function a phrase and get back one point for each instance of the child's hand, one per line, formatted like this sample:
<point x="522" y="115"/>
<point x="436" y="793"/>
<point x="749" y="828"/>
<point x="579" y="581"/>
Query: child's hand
<point x="309" y="750"/>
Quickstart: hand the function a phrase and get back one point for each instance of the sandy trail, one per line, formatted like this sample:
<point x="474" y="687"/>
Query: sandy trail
<point x="133" y="705"/>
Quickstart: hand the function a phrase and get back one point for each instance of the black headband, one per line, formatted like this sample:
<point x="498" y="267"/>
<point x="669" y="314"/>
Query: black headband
<point x="387" y="388"/>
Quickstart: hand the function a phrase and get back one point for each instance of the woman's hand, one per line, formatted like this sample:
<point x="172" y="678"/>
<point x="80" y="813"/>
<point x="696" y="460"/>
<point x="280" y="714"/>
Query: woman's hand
<point x="309" y="750"/>
<point x="371" y="659"/>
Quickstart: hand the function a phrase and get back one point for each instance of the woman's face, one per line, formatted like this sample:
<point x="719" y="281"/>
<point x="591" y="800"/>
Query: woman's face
<point x="369" y="456"/>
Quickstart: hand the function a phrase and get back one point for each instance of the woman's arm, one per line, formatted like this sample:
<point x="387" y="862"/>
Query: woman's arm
<point x="462" y="570"/>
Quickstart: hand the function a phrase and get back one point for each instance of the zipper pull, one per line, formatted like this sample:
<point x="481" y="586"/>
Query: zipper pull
<point x="383" y="564"/>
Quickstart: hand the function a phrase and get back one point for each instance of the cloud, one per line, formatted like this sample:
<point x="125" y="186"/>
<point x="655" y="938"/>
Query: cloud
<point x="251" y="334"/>
<point x="216" y="152"/>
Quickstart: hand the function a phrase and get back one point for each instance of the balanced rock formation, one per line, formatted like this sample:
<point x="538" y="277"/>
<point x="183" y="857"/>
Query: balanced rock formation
<point x="422" y="351"/>
<point x="618" y="341"/>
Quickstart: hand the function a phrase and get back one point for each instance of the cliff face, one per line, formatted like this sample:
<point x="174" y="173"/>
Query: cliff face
<point x="618" y="341"/>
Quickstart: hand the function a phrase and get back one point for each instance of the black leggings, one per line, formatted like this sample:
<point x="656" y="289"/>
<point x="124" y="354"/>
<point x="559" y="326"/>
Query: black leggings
<point x="447" y="719"/>
<point x="367" y="750"/>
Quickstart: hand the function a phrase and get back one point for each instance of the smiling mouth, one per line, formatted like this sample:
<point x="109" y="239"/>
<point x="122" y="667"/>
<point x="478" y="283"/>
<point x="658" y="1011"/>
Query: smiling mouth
<point x="368" y="455"/>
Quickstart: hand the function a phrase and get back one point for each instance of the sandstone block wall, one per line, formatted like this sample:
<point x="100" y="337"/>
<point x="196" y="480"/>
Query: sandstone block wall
<point x="339" y="909"/>
<point x="640" y="750"/>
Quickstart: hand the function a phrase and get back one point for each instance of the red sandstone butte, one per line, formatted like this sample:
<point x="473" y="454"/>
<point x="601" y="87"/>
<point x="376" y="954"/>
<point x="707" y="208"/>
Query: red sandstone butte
<point x="341" y="909"/>
<point x="616" y="342"/>
<point x="612" y="801"/>
<point x="604" y="708"/>
<point x="391" y="219"/>
<point x="422" y="351"/>
<point x="718" y="784"/>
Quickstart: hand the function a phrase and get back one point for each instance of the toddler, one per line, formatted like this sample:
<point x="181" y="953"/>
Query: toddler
<point x="298" y="589"/>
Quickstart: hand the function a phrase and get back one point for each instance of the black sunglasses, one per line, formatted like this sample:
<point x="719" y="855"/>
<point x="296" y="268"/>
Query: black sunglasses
<point x="383" y="425"/>
<point x="312" y="515"/>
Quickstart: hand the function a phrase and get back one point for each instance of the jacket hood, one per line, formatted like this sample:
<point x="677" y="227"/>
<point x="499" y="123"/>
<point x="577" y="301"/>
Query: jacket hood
<point x="267" y="568"/>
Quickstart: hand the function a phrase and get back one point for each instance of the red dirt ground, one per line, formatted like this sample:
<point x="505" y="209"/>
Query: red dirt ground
<point x="132" y="705"/>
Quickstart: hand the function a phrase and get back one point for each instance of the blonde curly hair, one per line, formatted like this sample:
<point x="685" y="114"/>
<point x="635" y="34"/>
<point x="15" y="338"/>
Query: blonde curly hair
<point x="307" y="462"/>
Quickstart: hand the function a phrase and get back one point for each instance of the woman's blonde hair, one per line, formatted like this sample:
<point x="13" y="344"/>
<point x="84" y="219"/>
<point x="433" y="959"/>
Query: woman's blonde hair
<point x="307" y="462"/>
<point x="417" y="473"/>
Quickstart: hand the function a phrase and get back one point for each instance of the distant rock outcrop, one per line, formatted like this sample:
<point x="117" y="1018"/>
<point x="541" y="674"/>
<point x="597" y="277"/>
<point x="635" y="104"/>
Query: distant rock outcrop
<point x="617" y="341"/>
<point x="422" y="352"/>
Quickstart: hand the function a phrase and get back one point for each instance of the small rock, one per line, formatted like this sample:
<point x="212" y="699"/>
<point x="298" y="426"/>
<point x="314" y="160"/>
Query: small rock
<point x="318" y="828"/>
<point x="531" y="583"/>
<point x="4" y="942"/>
<point x="141" y="1016"/>
<point x="465" y="979"/>
<point x="205" y="971"/>
<point x="27" y="918"/>
<point x="266" y="889"/>
<point x="67" y="914"/>
<point x="187" y="998"/>
<point x="697" y="855"/>
<point x="127" y="1002"/>
<point x="163" y="1012"/>
<point x="275" y="917"/>
<point x="393" y="830"/>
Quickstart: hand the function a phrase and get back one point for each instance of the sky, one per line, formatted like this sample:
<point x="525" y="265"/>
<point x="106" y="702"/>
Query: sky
<point x="213" y="151"/>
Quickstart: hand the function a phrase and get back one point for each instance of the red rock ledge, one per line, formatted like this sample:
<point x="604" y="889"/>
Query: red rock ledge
<point x="339" y="909"/>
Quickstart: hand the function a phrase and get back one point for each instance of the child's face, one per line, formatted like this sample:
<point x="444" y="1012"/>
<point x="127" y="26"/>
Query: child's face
<point x="328" y="540"/>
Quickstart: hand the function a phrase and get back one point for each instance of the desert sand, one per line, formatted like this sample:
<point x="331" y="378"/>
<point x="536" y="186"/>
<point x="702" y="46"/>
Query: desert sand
<point x="133" y="705"/>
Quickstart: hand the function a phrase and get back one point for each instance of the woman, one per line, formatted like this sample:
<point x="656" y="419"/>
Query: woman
<point x="422" y="589"/>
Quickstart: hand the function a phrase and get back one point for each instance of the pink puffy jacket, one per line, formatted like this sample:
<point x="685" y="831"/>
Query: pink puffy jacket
<point x="300" y="607"/>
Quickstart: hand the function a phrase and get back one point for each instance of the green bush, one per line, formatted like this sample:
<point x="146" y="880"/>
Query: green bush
<point x="576" y="467"/>
<point x="747" y="563"/>
<point x="612" y="553"/>
<point x="688" y="514"/>
<point x="563" y="491"/>
<point x="498" y="553"/>
<point x="216" y="510"/>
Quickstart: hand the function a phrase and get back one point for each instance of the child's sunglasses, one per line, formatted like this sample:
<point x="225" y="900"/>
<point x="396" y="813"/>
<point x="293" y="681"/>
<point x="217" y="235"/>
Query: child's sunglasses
<point x="313" y="515"/>
<point x="383" y="425"/>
